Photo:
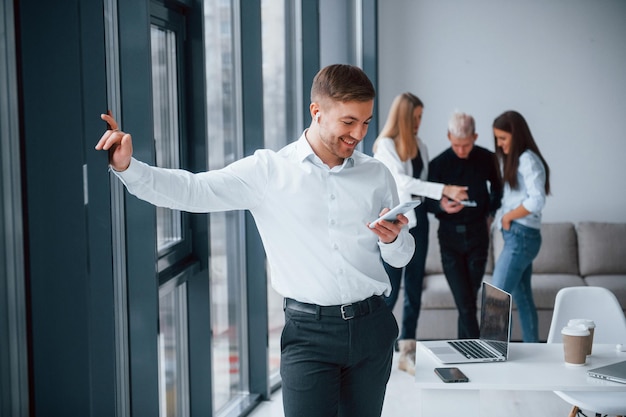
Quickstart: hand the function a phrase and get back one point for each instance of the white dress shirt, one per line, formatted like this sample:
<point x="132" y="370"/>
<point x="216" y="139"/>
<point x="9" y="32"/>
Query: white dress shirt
<point x="402" y="172"/>
<point x="312" y="219"/>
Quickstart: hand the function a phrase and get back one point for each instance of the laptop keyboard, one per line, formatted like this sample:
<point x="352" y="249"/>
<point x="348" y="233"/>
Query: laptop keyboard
<point x="471" y="349"/>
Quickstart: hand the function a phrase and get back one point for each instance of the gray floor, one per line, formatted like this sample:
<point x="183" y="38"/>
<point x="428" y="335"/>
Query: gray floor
<point x="401" y="399"/>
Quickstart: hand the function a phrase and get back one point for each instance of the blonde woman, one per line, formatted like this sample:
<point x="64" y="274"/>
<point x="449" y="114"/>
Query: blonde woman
<point x="406" y="156"/>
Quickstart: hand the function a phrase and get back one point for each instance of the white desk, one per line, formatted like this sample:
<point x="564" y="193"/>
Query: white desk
<point x="531" y="367"/>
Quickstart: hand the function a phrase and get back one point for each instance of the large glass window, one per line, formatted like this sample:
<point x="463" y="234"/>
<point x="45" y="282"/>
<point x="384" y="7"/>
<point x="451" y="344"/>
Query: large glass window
<point x="274" y="73"/>
<point x="166" y="129"/>
<point x="275" y="99"/>
<point x="173" y="244"/>
<point x="227" y="256"/>
<point x="173" y="359"/>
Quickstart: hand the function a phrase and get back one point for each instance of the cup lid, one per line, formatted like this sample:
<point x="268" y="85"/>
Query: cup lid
<point x="590" y="324"/>
<point x="575" y="330"/>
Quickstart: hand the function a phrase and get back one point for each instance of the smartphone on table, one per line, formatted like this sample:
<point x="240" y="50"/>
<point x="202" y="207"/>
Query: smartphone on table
<point x="451" y="375"/>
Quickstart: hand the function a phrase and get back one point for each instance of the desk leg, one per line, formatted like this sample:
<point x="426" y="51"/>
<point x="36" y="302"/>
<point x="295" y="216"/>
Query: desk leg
<point x="448" y="403"/>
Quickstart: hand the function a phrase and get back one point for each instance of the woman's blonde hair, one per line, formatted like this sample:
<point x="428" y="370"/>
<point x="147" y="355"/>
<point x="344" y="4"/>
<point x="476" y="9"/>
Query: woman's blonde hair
<point x="399" y="125"/>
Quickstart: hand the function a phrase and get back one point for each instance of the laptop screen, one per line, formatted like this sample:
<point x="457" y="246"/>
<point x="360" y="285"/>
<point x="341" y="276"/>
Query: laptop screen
<point x="495" y="317"/>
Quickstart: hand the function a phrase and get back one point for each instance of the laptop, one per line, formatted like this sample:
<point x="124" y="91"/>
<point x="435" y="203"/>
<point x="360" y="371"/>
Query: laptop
<point x="495" y="331"/>
<point x="615" y="372"/>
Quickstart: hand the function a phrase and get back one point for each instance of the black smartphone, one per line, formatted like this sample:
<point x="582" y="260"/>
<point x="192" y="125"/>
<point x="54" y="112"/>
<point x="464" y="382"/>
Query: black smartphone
<point x="451" y="375"/>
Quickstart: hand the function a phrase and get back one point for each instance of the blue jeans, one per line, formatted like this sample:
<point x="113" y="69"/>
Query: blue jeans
<point x="413" y="278"/>
<point x="513" y="271"/>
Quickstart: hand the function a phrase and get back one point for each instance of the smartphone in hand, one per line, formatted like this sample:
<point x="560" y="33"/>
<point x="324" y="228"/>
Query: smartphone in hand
<point x="401" y="208"/>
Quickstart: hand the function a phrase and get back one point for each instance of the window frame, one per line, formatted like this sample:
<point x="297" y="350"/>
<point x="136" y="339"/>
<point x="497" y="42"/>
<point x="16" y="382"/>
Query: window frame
<point x="168" y="19"/>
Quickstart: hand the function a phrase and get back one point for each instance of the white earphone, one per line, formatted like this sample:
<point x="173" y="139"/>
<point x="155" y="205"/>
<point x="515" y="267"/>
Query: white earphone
<point x="317" y="117"/>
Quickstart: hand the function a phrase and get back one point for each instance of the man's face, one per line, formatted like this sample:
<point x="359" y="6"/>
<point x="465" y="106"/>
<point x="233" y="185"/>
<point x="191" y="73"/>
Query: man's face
<point x="462" y="146"/>
<point x="340" y="128"/>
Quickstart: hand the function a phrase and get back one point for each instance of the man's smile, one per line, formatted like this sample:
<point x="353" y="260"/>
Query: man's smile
<point x="350" y="142"/>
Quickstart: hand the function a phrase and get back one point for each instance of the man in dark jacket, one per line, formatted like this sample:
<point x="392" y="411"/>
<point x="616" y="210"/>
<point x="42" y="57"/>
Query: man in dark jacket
<point x="464" y="226"/>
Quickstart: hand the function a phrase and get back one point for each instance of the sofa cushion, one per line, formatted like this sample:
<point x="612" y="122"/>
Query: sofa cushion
<point x="615" y="283"/>
<point x="558" y="253"/>
<point x="433" y="256"/>
<point x="545" y="287"/>
<point x="602" y="248"/>
<point x="437" y="293"/>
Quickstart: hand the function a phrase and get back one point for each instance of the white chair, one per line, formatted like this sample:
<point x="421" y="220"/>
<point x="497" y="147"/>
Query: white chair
<point x="600" y="305"/>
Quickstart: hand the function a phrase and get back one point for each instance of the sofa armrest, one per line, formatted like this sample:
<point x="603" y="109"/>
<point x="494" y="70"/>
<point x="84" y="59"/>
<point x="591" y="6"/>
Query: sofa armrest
<point x="602" y="248"/>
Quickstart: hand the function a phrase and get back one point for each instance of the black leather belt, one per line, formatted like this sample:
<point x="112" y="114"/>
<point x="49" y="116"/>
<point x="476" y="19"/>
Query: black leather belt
<point x="463" y="228"/>
<point x="345" y="311"/>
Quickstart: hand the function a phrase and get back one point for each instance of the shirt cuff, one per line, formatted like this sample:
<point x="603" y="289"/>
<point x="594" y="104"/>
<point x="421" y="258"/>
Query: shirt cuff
<point x="130" y="174"/>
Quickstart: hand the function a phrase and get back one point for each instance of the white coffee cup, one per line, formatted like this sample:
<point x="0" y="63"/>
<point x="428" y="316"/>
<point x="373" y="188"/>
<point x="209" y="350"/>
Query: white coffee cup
<point x="575" y="342"/>
<point x="590" y="325"/>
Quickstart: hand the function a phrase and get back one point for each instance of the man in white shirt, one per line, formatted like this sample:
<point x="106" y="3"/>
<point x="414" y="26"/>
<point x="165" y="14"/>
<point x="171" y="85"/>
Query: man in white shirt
<point x="312" y="202"/>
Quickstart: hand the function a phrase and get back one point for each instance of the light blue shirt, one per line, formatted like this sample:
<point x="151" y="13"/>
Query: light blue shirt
<point x="312" y="219"/>
<point x="530" y="191"/>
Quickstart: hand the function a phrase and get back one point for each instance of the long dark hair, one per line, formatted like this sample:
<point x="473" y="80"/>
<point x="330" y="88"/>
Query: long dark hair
<point x="514" y="123"/>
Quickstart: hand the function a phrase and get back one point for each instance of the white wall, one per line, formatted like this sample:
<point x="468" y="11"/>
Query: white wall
<point x="562" y="64"/>
<point x="337" y="32"/>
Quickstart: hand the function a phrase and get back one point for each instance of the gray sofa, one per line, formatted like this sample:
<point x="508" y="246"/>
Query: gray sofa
<point x="572" y="254"/>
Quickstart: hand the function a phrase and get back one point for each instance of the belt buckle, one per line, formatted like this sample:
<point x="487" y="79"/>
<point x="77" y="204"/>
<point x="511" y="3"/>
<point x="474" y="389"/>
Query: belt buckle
<point x="343" y="312"/>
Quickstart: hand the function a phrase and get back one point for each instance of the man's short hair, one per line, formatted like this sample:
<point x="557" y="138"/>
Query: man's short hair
<point x="342" y="82"/>
<point x="461" y="125"/>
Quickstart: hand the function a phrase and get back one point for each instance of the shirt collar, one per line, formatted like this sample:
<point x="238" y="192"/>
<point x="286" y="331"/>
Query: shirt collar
<point x="303" y="148"/>
<point x="304" y="151"/>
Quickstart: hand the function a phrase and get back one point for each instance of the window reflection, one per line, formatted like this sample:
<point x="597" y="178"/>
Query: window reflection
<point x="274" y="122"/>
<point x="173" y="392"/>
<point x="172" y="337"/>
<point x="226" y="262"/>
<point x="166" y="129"/>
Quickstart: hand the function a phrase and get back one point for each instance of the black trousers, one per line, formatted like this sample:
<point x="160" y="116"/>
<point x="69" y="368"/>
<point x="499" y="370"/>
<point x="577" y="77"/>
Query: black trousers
<point x="464" y="258"/>
<point x="335" y="367"/>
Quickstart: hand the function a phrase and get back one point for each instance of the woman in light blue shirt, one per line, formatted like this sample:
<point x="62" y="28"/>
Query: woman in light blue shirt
<point x="526" y="178"/>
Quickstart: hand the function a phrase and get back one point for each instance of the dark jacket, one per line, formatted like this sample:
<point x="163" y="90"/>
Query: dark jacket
<point x="479" y="172"/>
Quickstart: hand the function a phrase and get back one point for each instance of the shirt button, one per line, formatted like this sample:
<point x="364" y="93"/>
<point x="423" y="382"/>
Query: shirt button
<point x="332" y="196"/>
<point x="335" y="246"/>
<point x="332" y="222"/>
